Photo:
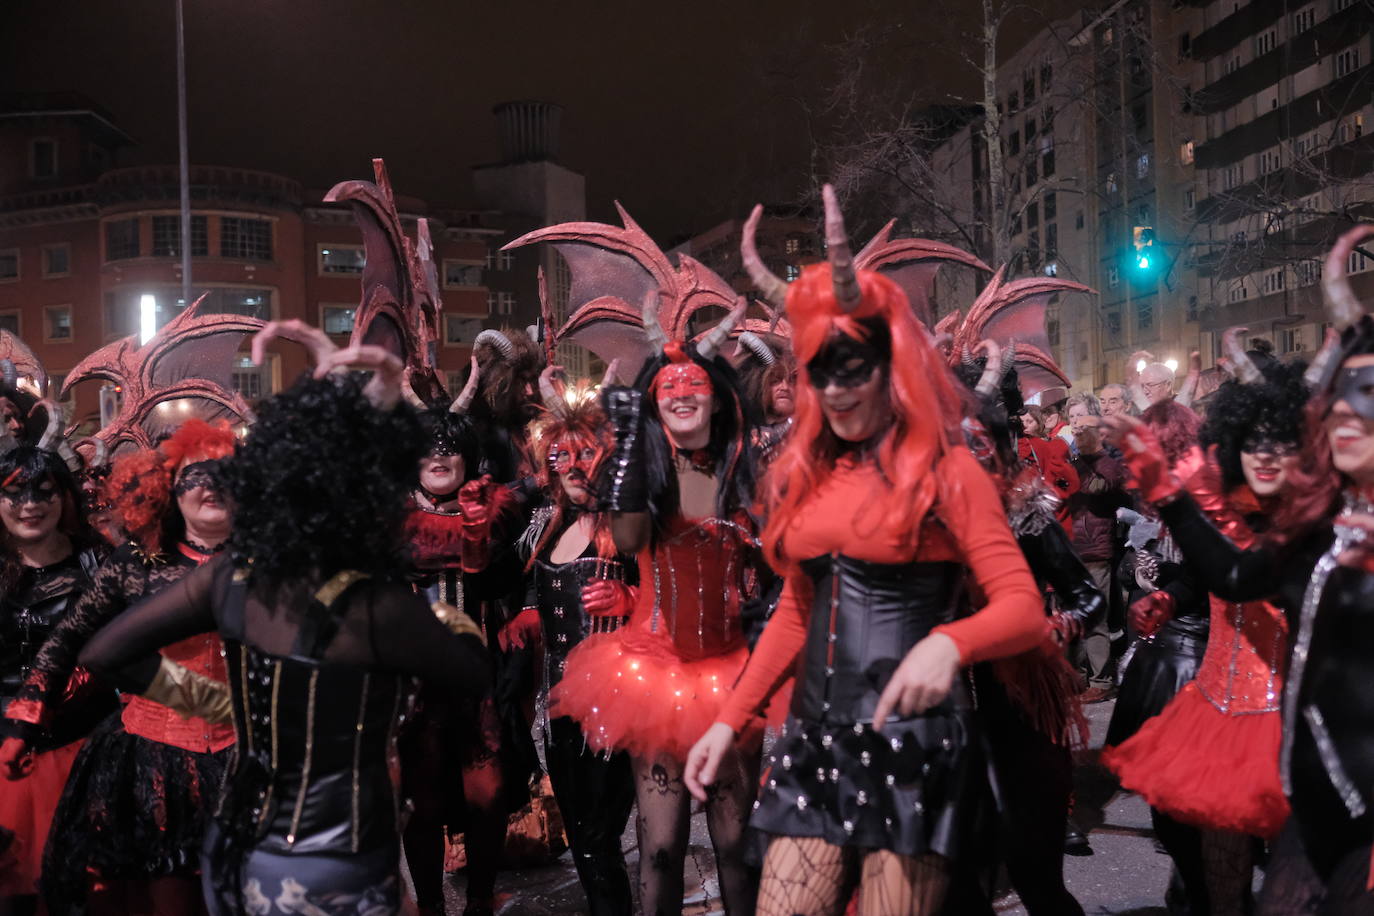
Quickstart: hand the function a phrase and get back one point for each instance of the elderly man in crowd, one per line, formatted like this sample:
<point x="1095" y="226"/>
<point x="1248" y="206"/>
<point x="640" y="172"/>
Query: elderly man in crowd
<point x="1113" y="400"/>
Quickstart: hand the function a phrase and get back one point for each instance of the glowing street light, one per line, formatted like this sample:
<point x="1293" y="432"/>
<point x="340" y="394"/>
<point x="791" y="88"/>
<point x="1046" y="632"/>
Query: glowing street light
<point x="147" y="318"/>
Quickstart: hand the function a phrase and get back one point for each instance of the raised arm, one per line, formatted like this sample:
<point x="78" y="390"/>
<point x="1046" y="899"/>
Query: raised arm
<point x="1223" y="568"/>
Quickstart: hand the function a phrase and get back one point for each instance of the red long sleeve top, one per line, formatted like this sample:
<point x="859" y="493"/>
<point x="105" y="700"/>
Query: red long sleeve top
<point x="846" y="515"/>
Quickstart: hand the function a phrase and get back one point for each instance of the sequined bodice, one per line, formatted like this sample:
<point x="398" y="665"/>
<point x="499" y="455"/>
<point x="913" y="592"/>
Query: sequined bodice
<point x="1242" y="671"/>
<point x="564" y="621"/>
<point x="692" y="586"/>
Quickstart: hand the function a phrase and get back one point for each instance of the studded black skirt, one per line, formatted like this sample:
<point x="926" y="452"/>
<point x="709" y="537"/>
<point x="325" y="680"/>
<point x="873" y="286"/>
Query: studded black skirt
<point x="910" y="790"/>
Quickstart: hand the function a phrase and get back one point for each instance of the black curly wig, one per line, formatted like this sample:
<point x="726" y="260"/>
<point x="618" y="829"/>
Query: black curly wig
<point x="449" y="433"/>
<point x="1000" y="413"/>
<point x="727" y="446"/>
<point x="320" y="484"/>
<point x="1272" y="409"/>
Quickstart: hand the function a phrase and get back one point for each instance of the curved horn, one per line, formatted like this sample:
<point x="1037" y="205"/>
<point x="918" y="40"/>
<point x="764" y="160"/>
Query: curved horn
<point x="992" y="371"/>
<point x="715" y="338"/>
<point x="653" y="331"/>
<point x="498" y="340"/>
<point x="845" y="280"/>
<point x="53" y="431"/>
<point x="8" y="373"/>
<point x="464" y="400"/>
<point x="609" y="377"/>
<point x="549" y="393"/>
<point x="755" y="345"/>
<point x="1341" y="303"/>
<point x="411" y="398"/>
<point x="1244" y="367"/>
<point x="772" y="286"/>
<point x="1316" y="375"/>
<point x="100" y="451"/>
<point x="967" y="358"/>
<point x="1009" y="357"/>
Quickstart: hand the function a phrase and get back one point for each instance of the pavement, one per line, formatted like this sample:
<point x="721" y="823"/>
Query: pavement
<point x="1125" y="875"/>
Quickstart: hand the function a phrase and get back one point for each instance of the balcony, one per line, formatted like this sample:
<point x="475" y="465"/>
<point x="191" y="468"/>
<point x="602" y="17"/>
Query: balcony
<point x="218" y="184"/>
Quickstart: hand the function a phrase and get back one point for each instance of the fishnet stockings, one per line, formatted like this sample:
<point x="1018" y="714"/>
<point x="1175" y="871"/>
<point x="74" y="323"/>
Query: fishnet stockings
<point x="662" y="823"/>
<point x="806" y="876"/>
<point x="1226" y="869"/>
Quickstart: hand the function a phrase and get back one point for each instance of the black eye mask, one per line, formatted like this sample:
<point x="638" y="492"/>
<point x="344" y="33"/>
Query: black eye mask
<point x="207" y="474"/>
<point x="847" y="362"/>
<point x="34" y="490"/>
<point x="1356" y="388"/>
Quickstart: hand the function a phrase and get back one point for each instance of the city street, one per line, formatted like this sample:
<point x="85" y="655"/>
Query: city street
<point x="1125" y="874"/>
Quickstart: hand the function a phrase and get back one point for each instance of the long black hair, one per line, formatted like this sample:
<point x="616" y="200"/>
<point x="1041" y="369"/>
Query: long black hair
<point x="320" y="484"/>
<point x="727" y="447"/>
<point x="27" y="466"/>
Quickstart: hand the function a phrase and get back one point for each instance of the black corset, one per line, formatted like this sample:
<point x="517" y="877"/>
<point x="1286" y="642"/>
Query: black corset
<point x="312" y="752"/>
<point x="565" y="623"/>
<point x="864" y="619"/>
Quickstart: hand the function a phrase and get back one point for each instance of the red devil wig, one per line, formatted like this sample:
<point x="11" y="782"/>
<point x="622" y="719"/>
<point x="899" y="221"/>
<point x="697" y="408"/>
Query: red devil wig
<point x="577" y="427"/>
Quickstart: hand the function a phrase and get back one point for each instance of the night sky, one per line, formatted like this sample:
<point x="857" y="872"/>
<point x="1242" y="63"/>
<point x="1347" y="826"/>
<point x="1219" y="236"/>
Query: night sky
<point x="686" y="112"/>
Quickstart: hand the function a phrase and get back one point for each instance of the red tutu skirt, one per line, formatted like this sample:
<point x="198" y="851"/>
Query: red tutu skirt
<point x="631" y="691"/>
<point x="1203" y="767"/>
<point x="27" y="806"/>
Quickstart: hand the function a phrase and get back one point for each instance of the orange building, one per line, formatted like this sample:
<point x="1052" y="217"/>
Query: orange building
<point x="81" y="242"/>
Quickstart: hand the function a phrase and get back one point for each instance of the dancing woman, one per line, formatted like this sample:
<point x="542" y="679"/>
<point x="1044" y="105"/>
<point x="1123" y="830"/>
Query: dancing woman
<point x="1229" y="786"/>
<point x="321" y="637"/>
<point x="48" y="557"/>
<point x="678" y="483"/>
<point x="874" y="512"/>
<point x="1315" y="565"/>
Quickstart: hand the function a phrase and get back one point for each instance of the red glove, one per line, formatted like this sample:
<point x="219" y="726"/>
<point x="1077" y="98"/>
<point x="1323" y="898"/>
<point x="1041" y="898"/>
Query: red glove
<point x="1066" y="627"/>
<point x="1145" y="458"/>
<point x="521" y="630"/>
<point x="607" y="598"/>
<point x="1150" y="613"/>
<point x="16" y="758"/>
<point x="474" y="502"/>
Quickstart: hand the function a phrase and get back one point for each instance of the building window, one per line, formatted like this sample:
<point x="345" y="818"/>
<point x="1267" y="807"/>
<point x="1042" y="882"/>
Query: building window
<point x="1339" y="5"/>
<point x="9" y="264"/>
<point x="1348" y="61"/>
<point x="1112" y="320"/>
<point x="1028" y="89"/>
<point x="500" y="260"/>
<point x="57" y="323"/>
<point x="501" y="303"/>
<point x="43" y="158"/>
<point x="1290" y="340"/>
<point x="337" y="319"/>
<point x="1304" y="19"/>
<point x="121" y="239"/>
<point x="1273" y="281"/>
<point x="1113" y="278"/>
<point x="1233" y="176"/>
<point x="1111" y="183"/>
<point x="1191" y="314"/>
<point x="1046" y="76"/>
<point x="253" y="382"/>
<point x="167" y="236"/>
<point x="1142" y="165"/>
<point x="461" y="331"/>
<point x="792" y="245"/>
<point x="1185" y="153"/>
<point x="1238" y="293"/>
<point x="1032" y="173"/>
<point x="1051" y="268"/>
<point x="57" y="260"/>
<point x="9" y="321"/>
<point x="1145" y="315"/>
<point x="1351" y="128"/>
<point x="1268" y="161"/>
<point x="1047" y="163"/>
<point x="1139" y="115"/>
<point x="1013" y="103"/>
<point x="1014" y="143"/>
<point x="1185" y="46"/>
<point x="233" y="300"/>
<point x="1015" y="228"/>
<point x="1051" y="205"/>
<point x="793" y="272"/>
<point x="244" y="237"/>
<point x="1266" y="42"/>
<point x="1308" y="272"/>
<point x="1029" y="130"/>
<point x="342" y="259"/>
<point x="1051" y="240"/>
<point x="1032" y="215"/>
<point x="1189" y="199"/>
<point x="1232" y="64"/>
<point x="459" y="274"/>
<point x="1357" y="262"/>
<point x="1078" y="220"/>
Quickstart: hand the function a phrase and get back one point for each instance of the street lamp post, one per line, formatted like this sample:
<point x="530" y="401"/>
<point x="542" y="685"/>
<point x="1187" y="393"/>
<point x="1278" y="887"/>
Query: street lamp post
<point x="185" y="161"/>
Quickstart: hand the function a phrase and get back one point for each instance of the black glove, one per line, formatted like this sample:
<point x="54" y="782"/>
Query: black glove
<point x="1052" y="559"/>
<point x="623" y="484"/>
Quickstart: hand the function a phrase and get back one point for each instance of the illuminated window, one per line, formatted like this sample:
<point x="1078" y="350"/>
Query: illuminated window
<point x="337" y="319"/>
<point x="57" y="323"/>
<point x="342" y="259"/>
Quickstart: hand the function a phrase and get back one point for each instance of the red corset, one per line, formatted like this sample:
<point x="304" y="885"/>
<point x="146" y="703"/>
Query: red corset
<point x="691" y="587"/>
<point x="1242" y="670"/>
<point x="156" y="722"/>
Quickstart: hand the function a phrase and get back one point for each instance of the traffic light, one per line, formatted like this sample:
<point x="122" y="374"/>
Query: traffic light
<point x="1144" y="238"/>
